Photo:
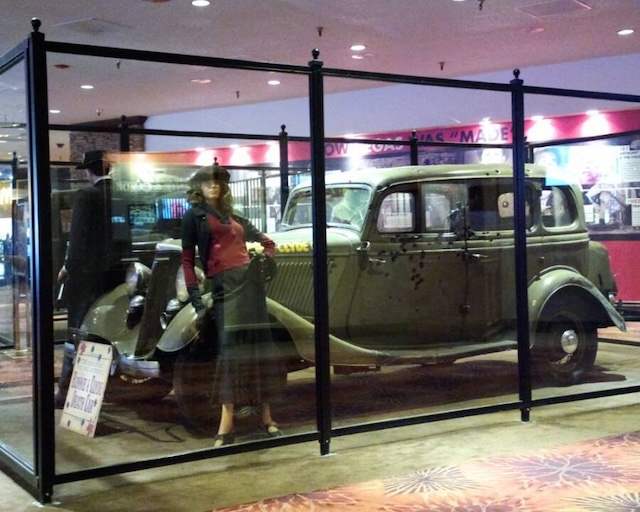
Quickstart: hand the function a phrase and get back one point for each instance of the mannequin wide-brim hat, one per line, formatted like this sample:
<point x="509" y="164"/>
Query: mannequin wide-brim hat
<point x="91" y="158"/>
<point x="210" y="173"/>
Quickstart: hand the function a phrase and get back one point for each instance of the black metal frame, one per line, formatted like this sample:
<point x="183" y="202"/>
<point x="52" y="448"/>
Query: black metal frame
<point x="41" y="478"/>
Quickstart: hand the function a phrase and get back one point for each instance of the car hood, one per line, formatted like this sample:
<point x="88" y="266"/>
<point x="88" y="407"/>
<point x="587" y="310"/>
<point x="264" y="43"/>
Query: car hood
<point x="340" y="242"/>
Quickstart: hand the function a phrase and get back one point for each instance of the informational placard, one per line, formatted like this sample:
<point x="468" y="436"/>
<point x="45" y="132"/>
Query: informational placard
<point x="86" y="390"/>
<point x="635" y="210"/>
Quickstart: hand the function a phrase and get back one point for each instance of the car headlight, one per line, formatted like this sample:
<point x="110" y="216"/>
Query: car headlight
<point x="135" y="310"/>
<point x="181" y="286"/>
<point x="173" y="308"/>
<point x="137" y="279"/>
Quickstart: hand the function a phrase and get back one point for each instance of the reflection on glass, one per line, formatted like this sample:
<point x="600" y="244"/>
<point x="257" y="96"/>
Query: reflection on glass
<point x="16" y="337"/>
<point x="346" y="205"/>
<point x="167" y="357"/>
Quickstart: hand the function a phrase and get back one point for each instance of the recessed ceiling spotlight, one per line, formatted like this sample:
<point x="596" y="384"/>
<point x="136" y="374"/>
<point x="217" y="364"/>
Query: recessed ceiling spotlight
<point x="86" y="86"/>
<point x="625" y="32"/>
<point x="200" y="3"/>
<point x="274" y="82"/>
<point x="200" y="80"/>
<point x="358" y="47"/>
<point x="357" y="56"/>
<point x="54" y="111"/>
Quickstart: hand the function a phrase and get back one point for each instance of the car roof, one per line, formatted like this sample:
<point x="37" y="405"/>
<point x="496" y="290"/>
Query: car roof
<point x="380" y="178"/>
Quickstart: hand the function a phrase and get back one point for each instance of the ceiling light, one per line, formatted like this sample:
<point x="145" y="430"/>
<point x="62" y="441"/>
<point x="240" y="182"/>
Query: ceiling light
<point x="625" y="32"/>
<point x="200" y="3"/>
<point x="200" y="81"/>
<point x="274" y="82"/>
<point x="357" y="57"/>
<point x="358" y="47"/>
<point x="54" y="111"/>
<point x="86" y="86"/>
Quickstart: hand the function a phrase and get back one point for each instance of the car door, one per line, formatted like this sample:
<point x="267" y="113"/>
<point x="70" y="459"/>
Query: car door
<point x="411" y="281"/>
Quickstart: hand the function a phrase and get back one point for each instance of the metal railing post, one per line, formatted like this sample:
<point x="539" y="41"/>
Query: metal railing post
<point x="521" y="281"/>
<point x="320" y="274"/>
<point x="41" y="264"/>
<point x="283" y="139"/>
<point x="413" y="148"/>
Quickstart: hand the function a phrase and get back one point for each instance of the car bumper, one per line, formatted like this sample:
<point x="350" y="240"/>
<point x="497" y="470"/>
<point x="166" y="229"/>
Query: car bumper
<point x="138" y="368"/>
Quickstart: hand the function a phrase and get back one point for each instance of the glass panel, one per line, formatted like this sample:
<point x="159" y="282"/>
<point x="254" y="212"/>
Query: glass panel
<point x="422" y="297"/>
<point x="587" y="204"/>
<point x="16" y="372"/>
<point x="162" y="363"/>
<point x="397" y="213"/>
<point x="173" y="366"/>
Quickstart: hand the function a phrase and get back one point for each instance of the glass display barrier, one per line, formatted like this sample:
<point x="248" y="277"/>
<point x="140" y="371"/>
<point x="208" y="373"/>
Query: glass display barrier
<point x="170" y="361"/>
<point x="16" y="338"/>
<point x="597" y="339"/>
<point x="421" y="260"/>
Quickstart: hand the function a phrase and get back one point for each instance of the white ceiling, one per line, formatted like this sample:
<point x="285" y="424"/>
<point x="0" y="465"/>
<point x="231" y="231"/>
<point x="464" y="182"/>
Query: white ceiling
<point x="436" y="38"/>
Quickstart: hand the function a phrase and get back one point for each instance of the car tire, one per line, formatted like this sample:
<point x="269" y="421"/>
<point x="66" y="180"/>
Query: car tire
<point x="125" y="389"/>
<point x="566" y="343"/>
<point x="193" y="384"/>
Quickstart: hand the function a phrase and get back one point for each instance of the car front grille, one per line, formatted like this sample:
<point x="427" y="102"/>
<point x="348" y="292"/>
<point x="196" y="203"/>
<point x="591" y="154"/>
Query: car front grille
<point x="293" y="285"/>
<point x="161" y="290"/>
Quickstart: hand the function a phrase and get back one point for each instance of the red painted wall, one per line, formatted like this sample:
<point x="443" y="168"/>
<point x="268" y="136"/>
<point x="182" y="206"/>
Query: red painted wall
<point x="625" y="263"/>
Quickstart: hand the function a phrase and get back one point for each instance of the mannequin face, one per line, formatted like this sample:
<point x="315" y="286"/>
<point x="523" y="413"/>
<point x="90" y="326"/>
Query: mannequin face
<point x="211" y="191"/>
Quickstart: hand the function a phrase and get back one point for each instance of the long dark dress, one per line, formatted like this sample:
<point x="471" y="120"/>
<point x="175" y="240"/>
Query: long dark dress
<point x="249" y="368"/>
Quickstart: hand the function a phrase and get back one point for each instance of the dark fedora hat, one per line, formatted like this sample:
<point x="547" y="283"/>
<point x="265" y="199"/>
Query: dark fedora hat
<point x="209" y="173"/>
<point x="90" y="158"/>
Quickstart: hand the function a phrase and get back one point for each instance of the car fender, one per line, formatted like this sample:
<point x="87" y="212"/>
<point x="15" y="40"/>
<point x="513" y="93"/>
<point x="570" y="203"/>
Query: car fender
<point x="107" y="319"/>
<point x="182" y="329"/>
<point x="554" y="281"/>
<point x="302" y="332"/>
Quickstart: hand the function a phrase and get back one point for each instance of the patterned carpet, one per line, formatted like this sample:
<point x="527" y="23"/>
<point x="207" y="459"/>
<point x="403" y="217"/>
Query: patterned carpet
<point x="594" y="476"/>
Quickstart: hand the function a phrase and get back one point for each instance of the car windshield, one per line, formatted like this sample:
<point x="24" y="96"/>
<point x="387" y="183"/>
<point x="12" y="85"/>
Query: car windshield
<point x="346" y="205"/>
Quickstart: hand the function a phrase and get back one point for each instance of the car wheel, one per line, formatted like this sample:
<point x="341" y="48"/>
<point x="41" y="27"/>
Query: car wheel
<point x="565" y="344"/>
<point x="193" y="384"/>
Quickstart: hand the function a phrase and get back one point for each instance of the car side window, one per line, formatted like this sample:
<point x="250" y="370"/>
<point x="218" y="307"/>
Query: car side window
<point x="554" y="205"/>
<point x="397" y="213"/>
<point x="437" y="207"/>
<point x="491" y="206"/>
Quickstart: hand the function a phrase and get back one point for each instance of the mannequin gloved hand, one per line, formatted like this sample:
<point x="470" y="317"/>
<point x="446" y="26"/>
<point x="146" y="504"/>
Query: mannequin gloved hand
<point x="202" y="311"/>
<point x="195" y="297"/>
